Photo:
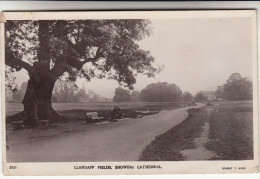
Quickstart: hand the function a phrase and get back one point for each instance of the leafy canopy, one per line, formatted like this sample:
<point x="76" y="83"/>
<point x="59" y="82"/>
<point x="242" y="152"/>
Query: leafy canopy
<point x="121" y="95"/>
<point x="238" y="88"/>
<point x="187" y="96"/>
<point x="200" y="97"/>
<point x="161" y="92"/>
<point x="80" y="48"/>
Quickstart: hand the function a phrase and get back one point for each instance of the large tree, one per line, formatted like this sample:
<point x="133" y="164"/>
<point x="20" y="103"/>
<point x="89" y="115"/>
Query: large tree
<point x="238" y="88"/>
<point x="135" y="96"/>
<point x="219" y="93"/>
<point x="187" y="96"/>
<point x="48" y="50"/>
<point x="121" y="95"/>
<point x="161" y="92"/>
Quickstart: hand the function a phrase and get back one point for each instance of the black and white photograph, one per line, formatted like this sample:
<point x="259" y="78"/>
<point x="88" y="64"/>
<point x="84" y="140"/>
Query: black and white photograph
<point x="126" y="92"/>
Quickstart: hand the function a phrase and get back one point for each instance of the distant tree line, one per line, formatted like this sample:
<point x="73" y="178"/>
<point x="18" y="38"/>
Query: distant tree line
<point x="64" y="92"/>
<point x="235" y="88"/>
<point x="155" y="92"/>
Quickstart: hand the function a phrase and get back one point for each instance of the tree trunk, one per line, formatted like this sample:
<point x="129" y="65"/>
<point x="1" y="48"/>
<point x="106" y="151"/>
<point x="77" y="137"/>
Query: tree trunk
<point x="37" y="100"/>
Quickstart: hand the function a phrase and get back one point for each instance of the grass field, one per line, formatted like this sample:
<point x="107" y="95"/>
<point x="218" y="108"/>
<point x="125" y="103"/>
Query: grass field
<point x="76" y="111"/>
<point x="14" y="107"/>
<point x="230" y="133"/>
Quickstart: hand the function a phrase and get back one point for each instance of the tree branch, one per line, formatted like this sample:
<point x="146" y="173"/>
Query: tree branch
<point x="88" y="60"/>
<point x="98" y="55"/>
<point x="61" y="64"/>
<point x="17" y="63"/>
<point x="59" y="68"/>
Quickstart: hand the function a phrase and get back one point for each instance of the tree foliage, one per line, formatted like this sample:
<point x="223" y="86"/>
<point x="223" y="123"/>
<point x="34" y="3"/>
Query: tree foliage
<point x="121" y="95"/>
<point x="9" y="79"/>
<point x="135" y="96"/>
<point x="80" y="48"/>
<point x="187" y="96"/>
<point x="200" y="97"/>
<point x="237" y="88"/>
<point x="53" y="49"/>
<point x="219" y="93"/>
<point x="161" y="92"/>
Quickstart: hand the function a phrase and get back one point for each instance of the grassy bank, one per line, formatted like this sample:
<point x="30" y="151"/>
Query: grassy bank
<point x="167" y="146"/>
<point x="231" y="133"/>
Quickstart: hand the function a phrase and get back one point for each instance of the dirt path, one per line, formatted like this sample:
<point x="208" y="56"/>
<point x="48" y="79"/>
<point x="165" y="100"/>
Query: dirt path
<point x="121" y="141"/>
<point x="200" y="152"/>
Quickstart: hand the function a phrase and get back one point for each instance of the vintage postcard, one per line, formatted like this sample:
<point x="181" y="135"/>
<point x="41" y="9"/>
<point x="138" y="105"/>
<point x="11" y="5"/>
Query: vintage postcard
<point x="129" y="92"/>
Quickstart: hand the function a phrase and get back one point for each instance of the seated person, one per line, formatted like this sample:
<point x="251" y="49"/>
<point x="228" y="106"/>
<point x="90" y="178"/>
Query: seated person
<point x="116" y="113"/>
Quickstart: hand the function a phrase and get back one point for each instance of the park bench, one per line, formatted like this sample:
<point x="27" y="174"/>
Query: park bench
<point x="93" y="117"/>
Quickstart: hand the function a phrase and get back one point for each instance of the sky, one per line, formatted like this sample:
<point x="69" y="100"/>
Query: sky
<point x="197" y="54"/>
